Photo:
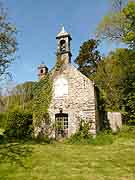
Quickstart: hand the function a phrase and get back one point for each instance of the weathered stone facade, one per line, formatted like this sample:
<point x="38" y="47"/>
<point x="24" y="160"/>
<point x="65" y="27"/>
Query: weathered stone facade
<point x="115" y="120"/>
<point x="74" y="95"/>
<point x="79" y="103"/>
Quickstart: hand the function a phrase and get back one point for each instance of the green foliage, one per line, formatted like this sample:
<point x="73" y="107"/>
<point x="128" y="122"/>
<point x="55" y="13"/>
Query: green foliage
<point x="111" y="27"/>
<point x="19" y="125"/>
<point x="59" y="63"/>
<point x="88" y="57"/>
<point x="129" y="24"/>
<point x="83" y="135"/>
<point x="131" y="103"/>
<point x="21" y="97"/>
<point x="113" y="78"/>
<point x="8" y="42"/>
<point x="126" y="132"/>
<point x="46" y="128"/>
<point x="42" y="99"/>
<point x="119" y="25"/>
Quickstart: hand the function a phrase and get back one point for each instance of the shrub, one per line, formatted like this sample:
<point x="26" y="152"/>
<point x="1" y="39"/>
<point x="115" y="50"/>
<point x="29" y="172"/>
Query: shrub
<point x="83" y="136"/>
<point x="127" y="132"/>
<point x="102" y="138"/>
<point x="45" y="129"/>
<point x="19" y="125"/>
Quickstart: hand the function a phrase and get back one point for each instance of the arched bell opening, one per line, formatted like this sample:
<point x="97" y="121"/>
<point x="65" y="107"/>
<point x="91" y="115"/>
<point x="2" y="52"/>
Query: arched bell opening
<point x="62" y="45"/>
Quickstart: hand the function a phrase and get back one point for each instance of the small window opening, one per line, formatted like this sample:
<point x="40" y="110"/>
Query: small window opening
<point x="41" y="71"/>
<point x="62" y="45"/>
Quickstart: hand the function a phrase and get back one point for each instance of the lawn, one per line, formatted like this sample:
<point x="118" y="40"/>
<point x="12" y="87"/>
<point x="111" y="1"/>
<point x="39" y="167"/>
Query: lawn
<point x="59" y="161"/>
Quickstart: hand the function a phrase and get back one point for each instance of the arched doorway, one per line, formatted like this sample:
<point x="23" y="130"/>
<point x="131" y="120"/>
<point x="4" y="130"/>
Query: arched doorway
<point x="61" y="124"/>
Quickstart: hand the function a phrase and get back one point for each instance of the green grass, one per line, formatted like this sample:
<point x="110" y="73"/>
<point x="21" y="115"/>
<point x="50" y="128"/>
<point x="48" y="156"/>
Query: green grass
<point x="59" y="161"/>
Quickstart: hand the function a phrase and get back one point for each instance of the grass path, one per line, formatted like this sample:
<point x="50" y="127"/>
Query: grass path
<point x="68" y="162"/>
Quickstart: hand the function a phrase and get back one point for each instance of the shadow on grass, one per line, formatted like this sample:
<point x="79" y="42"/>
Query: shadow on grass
<point x="15" y="153"/>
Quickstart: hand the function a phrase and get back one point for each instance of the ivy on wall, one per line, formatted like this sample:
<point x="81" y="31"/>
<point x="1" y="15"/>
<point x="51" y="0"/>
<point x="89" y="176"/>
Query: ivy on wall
<point x="43" y="96"/>
<point x="59" y="63"/>
<point x="42" y="99"/>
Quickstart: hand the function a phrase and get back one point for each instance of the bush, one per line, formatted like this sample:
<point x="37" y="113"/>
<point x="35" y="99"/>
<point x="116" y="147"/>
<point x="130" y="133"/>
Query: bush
<point x="83" y="136"/>
<point x="102" y="138"/>
<point x="127" y="131"/>
<point x="19" y="125"/>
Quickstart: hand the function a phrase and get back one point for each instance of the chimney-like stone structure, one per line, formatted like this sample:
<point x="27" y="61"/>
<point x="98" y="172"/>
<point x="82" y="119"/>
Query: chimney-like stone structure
<point x="42" y="71"/>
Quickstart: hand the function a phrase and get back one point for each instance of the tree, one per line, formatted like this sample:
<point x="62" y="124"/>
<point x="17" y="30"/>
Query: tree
<point x="107" y="78"/>
<point x="119" y="25"/>
<point x="21" y="96"/>
<point x="115" y="78"/>
<point x="8" y="44"/>
<point x="129" y="25"/>
<point x="117" y="5"/>
<point x="88" y="57"/>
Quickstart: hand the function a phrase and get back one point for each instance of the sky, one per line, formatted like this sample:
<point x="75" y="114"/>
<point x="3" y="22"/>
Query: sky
<point x="39" y="21"/>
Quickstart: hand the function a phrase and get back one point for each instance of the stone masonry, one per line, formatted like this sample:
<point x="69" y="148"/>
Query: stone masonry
<point x="74" y="95"/>
<point x="80" y="102"/>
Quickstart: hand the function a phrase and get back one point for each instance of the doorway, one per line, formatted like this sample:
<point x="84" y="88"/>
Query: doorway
<point x="61" y="124"/>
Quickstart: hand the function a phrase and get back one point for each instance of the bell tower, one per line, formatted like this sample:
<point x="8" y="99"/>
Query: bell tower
<point x="63" y="46"/>
<point x="42" y="71"/>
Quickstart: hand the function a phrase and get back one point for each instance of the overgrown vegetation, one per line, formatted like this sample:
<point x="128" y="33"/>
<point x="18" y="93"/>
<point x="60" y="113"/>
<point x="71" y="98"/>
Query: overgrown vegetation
<point x="114" y="76"/>
<point x="19" y="125"/>
<point x="41" y="102"/>
<point x="115" y="73"/>
<point x="59" y="63"/>
<point x="20" y="97"/>
<point x="83" y="136"/>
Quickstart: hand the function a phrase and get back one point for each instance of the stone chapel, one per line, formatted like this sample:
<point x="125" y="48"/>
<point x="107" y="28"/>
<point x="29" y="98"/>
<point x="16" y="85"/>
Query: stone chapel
<point x="74" y="95"/>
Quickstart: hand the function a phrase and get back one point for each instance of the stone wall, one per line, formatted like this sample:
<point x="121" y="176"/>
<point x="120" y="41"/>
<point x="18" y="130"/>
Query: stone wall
<point x="80" y="102"/>
<point x="115" y="120"/>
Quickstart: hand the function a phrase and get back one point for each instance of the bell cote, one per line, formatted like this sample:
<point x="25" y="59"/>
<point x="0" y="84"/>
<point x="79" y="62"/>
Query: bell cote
<point x="42" y="71"/>
<point x="63" y="46"/>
